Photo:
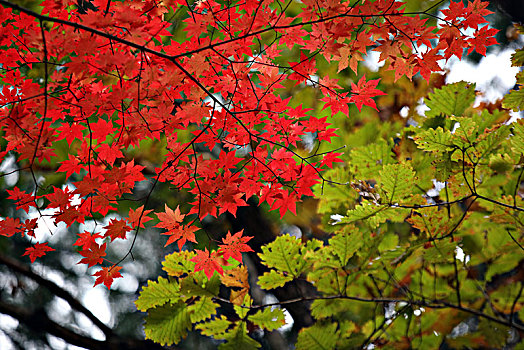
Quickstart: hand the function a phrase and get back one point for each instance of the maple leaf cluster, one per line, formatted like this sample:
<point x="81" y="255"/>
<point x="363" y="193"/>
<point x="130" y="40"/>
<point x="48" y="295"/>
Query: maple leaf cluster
<point x="116" y="74"/>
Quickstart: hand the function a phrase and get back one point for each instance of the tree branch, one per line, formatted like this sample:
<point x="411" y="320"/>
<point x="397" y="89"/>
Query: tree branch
<point x="38" y="320"/>
<point x="56" y="290"/>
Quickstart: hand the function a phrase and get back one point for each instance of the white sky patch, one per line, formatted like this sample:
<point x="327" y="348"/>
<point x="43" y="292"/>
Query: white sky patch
<point x="421" y="107"/>
<point x="9" y="167"/>
<point x="127" y="284"/>
<point x="493" y="75"/>
<point x="404" y="112"/>
<point x="437" y="187"/>
<point x="59" y="309"/>
<point x="371" y="61"/>
<point x="459" y="254"/>
<point x="95" y="299"/>
<point x="336" y="218"/>
<point x="8" y="323"/>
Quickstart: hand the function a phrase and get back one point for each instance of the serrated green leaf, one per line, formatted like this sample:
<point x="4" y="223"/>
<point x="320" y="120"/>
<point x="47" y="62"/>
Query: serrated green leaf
<point x="318" y="337"/>
<point x="268" y="319"/>
<point x="345" y="244"/>
<point x="450" y="100"/>
<point x="389" y="242"/>
<point x="397" y="181"/>
<point x="517" y="140"/>
<point x="285" y="254"/>
<point x="438" y="252"/>
<point x="435" y="140"/>
<point x="243" y="309"/>
<point x="324" y="308"/>
<point x="365" y="162"/>
<point x="167" y="324"/>
<point x="237" y="339"/>
<point x="367" y="211"/>
<point x="215" y="328"/>
<point x="157" y="293"/>
<point x="199" y="286"/>
<point x="489" y="141"/>
<point x="273" y="279"/>
<point x="514" y="100"/>
<point x="202" y="309"/>
<point x="179" y="263"/>
<point x="517" y="58"/>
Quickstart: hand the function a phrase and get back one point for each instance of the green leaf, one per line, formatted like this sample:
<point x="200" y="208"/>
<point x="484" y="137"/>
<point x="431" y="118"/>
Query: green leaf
<point x="237" y="339"/>
<point x="324" y="308"/>
<point x="268" y="318"/>
<point x="318" y="337"/>
<point x="397" y="181"/>
<point x="243" y="309"/>
<point x="215" y="328"/>
<point x="450" y="100"/>
<point x="365" y="162"/>
<point x="167" y="324"/>
<point x="389" y="242"/>
<point x="435" y="140"/>
<point x="157" y="293"/>
<point x="440" y="251"/>
<point x="345" y="244"/>
<point x="517" y="58"/>
<point x="285" y="254"/>
<point x="202" y="309"/>
<point x="517" y="140"/>
<point x="273" y="279"/>
<point x="366" y="211"/>
<point x="199" y="286"/>
<point x="179" y="263"/>
<point x="514" y="100"/>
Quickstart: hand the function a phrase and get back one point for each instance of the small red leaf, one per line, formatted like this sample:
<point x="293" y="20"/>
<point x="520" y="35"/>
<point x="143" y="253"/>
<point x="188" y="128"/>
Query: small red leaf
<point x="106" y="275"/>
<point x="38" y="250"/>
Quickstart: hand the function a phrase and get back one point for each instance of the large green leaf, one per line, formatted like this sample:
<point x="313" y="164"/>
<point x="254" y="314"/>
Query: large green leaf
<point x="365" y="162"/>
<point x="167" y="324"/>
<point x="157" y="293"/>
<point x="202" y="309"/>
<point x="268" y="318"/>
<point x="514" y="100"/>
<point x="397" y="181"/>
<point x="237" y="339"/>
<point x="450" y="100"/>
<point x="179" y="263"/>
<point x="376" y="214"/>
<point x="216" y="327"/>
<point x="285" y="254"/>
<point x="436" y="140"/>
<point x="517" y="140"/>
<point x="318" y="337"/>
<point x="345" y="244"/>
<point x="273" y="279"/>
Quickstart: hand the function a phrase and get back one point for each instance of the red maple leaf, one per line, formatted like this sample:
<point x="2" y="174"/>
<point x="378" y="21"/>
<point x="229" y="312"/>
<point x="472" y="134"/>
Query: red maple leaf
<point x="70" y="166"/>
<point x="139" y="214"/>
<point x="94" y="255"/>
<point x="208" y="262"/>
<point x="363" y="93"/>
<point x="23" y="200"/>
<point x="171" y="220"/>
<point x="9" y="226"/>
<point x="29" y="226"/>
<point x="234" y="245"/>
<point x="117" y="229"/>
<point x="38" y="250"/>
<point x="107" y="274"/>
<point x="86" y="239"/>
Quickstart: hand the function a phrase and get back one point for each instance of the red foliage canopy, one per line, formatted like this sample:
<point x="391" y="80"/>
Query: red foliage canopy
<point x="112" y="74"/>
